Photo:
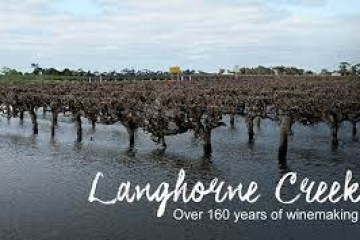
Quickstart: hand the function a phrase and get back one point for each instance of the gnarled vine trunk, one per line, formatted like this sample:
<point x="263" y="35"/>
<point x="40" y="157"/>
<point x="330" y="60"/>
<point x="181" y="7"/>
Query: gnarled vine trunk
<point x="131" y="133"/>
<point x="334" y="129"/>
<point x="78" y="127"/>
<point x="250" y="126"/>
<point x="207" y="142"/>
<point x="284" y="135"/>
<point x="54" y="122"/>
<point x="34" y="122"/>
<point x="354" y="131"/>
<point x="258" y="122"/>
<point x="21" y="117"/>
<point x="232" y="120"/>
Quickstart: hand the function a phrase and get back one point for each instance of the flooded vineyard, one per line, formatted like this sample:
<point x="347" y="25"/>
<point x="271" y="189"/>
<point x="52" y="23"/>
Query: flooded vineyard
<point x="55" y="138"/>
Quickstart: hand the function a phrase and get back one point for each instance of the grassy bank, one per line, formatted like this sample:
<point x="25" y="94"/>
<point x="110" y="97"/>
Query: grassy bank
<point x="29" y="79"/>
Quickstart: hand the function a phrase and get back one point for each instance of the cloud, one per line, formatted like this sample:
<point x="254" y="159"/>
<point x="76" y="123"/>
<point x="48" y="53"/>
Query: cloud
<point x="309" y="2"/>
<point x="146" y="34"/>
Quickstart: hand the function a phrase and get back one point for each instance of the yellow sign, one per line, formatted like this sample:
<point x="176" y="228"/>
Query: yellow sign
<point x="175" y="70"/>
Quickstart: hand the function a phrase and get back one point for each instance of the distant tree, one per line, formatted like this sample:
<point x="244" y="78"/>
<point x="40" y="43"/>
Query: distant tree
<point x="89" y="74"/>
<point x="264" y="70"/>
<point x="242" y="70"/>
<point x="34" y="65"/>
<point x="66" y="72"/>
<point x="354" y="69"/>
<point x="357" y="68"/>
<point x="221" y="71"/>
<point x="291" y="71"/>
<point x="301" y="71"/>
<point x="309" y="73"/>
<point x="5" y="70"/>
<point x="37" y="69"/>
<point x="9" y="71"/>
<point x="280" y="70"/>
<point x="80" y="72"/>
<point x="128" y="72"/>
<point x="113" y="74"/>
<point x="51" y="71"/>
<point x="159" y="73"/>
<point x="189" y="72"/>
<point x="343" y="68"/>
<point x="325" y="72"/>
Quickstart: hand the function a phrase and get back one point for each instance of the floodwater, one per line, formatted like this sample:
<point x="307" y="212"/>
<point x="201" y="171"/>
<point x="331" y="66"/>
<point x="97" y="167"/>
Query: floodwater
<point x="44" y="183"/>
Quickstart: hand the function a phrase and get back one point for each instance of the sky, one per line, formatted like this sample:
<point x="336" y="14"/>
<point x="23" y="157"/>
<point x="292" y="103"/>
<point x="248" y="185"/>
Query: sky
<point x="108" y="35"/>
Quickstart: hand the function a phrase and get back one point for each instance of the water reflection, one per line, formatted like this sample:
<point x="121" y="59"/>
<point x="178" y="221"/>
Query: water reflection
<point x="131" y="152"/>
<point x="55" y="146"/>
<point x="206" y="164"/>
<point x="46" y="180"/>
<point x="251" y="145"/>
<point x="180" y="162"/>
<point x="283" y="167"/>
<point x="78" y="146"/>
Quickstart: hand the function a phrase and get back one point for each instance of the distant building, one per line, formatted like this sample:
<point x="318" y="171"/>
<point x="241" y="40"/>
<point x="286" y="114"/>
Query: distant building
<point x="336" y="74"/>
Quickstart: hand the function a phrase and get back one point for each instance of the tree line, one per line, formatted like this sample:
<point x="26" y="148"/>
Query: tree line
<point x="344" y="69"/>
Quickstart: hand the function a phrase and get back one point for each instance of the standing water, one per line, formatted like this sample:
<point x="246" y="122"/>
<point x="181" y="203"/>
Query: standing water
<point x="45" y="183"/>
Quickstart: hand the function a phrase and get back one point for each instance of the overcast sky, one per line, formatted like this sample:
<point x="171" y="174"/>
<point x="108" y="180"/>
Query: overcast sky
<point x="198" y="34"/>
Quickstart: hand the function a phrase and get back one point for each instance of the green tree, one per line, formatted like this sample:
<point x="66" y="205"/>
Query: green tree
<point x="325" y="72"/>
<point x="343" y="68"/>
<point x="67" y="72"/>
<point x="353" y="70"/>
<point x="37" y="69"/>
<point x="309" y="73"/>
<point x="280" y="70"/>
<point x="10" y="72"/>
<point x="357" y="68"/>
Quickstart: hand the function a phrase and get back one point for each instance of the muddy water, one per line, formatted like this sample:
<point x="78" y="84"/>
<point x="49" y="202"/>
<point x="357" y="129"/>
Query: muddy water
<point x="44" y="183"/>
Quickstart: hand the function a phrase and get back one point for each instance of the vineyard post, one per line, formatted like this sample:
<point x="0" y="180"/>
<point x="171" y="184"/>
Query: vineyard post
<point x="284" y="133"/>
<point x="34" y="120"/>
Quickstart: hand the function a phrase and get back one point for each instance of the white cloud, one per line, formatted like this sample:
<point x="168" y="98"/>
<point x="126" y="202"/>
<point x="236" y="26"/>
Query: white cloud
<point x="309" y="2"/>
<point x="146" y="34"/>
